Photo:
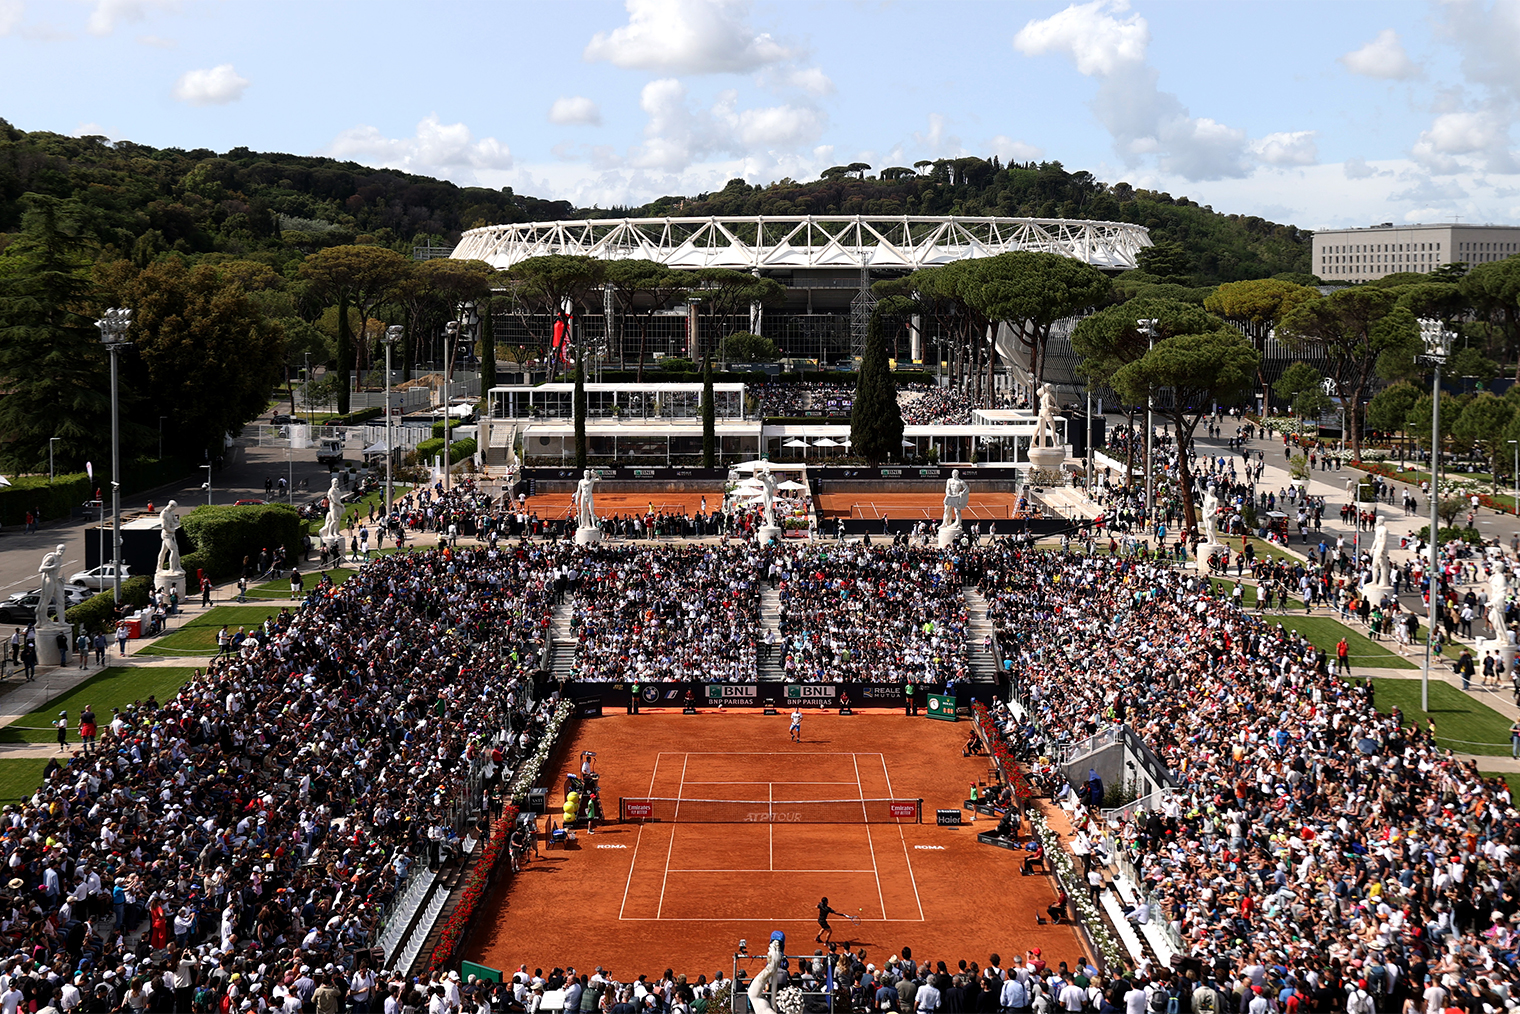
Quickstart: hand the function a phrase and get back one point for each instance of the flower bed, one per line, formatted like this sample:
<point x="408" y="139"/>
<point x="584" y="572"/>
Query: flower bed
<point x="475" y="888"/>
<point x="1001" y="755"/>
<point x="527" y="774"/>
<point x="1060" y="860"/>
<point x="1465" y="488"/>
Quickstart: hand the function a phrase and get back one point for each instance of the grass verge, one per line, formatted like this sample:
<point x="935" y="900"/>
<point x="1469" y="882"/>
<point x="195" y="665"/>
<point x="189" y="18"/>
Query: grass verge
<point x="199" y="635"/>
<point x="1462" y="724"/>
<point x="114" y="687"/>
<point x="20" y="777"/>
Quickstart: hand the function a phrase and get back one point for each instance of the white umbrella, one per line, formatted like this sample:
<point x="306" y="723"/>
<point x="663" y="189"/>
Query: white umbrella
<point x="909" y="443"/>
<point x="4" y="481"/>
<point x="790" y="484"/>
<point x="750" y="466"/>
<point x="795" y="442"/>
<point x="826" y="442"/>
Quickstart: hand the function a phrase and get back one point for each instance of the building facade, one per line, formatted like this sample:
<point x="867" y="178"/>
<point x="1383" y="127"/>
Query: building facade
<point x="1363" y="255"/>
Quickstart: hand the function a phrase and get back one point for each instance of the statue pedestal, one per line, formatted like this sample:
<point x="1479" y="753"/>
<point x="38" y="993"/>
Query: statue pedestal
<point x="1377" y="592"/>
<point x="47" y="642"/>
<point x="1203" y="552"/>
<point x="766" y="534"/>
<point x="948" y="534"/>
<point x="588" y="536"/>
<point x="1047" y="458"/>
<point x="335" y="548"/>
<point x="171" y="581"/>
<point x="1500" y="646"/>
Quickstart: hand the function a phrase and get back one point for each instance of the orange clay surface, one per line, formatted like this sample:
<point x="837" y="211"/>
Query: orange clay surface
<point x="557" y="505"/>
<point x="640" y="898"/>
<point x="913" y="505"/>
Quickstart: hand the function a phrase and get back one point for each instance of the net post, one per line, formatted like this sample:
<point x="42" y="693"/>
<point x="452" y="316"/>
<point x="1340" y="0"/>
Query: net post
<point x="920" y="810"/>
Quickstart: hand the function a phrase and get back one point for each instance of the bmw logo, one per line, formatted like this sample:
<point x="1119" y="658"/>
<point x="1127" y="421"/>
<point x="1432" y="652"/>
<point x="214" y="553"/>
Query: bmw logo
<point x="650" y="694"/>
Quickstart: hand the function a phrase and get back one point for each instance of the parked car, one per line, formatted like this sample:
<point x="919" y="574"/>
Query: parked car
<point x="99" y="578"/>
<point x="21" y="607"/>
<point x="249" y="503"/>
<point x="281" y="419"/>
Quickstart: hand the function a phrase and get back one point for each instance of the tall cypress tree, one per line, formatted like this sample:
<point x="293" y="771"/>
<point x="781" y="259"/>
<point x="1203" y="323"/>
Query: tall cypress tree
<point x="876" y="426"/>
<point x="709" y="415"/>
<point x="580" y="411"/>
<point x="487" y="348"/>
<point x="346" y="354"/>
<point x="53" y="367"/>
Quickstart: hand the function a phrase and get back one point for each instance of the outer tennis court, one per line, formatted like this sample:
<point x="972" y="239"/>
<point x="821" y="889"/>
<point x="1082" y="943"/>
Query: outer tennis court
<point x="682" y="890"/>
<point x="916" y="506"/>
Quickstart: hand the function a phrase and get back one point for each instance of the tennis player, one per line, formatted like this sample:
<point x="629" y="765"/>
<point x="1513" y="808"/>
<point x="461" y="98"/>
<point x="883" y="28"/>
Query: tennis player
<point x="823" y="922"/>
<point x="796" y="731"/>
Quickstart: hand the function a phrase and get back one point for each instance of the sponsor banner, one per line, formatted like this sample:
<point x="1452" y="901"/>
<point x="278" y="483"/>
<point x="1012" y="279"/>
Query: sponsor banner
<point x="733" y="692"/>
<point x="902" y="811"/>
<point x="941" y="706"/>
<point x="588" y="707"/>
<point x="643" y="810"/>
<point x="628" y="472"/>
<point x="811" y="691"/>
<point x="947" y="818"/>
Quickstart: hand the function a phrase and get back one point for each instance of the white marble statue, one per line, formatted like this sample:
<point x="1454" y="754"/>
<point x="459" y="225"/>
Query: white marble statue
<point x="1382" y="569"/>
<point x="332" y="528"/>
<point x="585" y="500"/>
<point x="1045" y="423"/>
<point x="51" y="596"/>
<point x="1498" y="594"/>
<point x="1210" y="512"/>
<point x="957" y="496"/>
<point x="168" y="551"/>
<point x="760" y="985"/>
<point x="768" y="486"/>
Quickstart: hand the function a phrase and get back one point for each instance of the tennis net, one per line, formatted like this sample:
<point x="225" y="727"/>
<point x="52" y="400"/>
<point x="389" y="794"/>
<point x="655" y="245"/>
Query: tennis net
<point x="771" y="811"/>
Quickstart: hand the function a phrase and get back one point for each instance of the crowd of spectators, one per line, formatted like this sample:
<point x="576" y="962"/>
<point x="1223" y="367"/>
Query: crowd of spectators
<point x="236" y="848"/>
<point x="925" y="404"/>
<point x="807" y="398"/>
<point x="1315" y="839"/>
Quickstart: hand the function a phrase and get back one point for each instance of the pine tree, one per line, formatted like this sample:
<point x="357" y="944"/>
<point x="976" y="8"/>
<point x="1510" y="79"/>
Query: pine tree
<point x="580" y="411"/>
<point x="53" y="367"/>
<point x="487" y="349"/>
<point x="709" y="416"/>
<point x="876" y="426"/>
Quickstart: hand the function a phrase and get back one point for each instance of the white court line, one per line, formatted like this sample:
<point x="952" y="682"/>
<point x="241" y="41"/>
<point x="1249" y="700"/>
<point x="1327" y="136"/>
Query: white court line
<point x="788" y="782"/>
<point x="675" y="815"/>
<point x="748" y="918"/>
<point x="906" y="857"/>
<point x="772" y="827"/>
<point x="637" y="841"/>
<point x="870" y="846"/>
<point x="788" y="871"/>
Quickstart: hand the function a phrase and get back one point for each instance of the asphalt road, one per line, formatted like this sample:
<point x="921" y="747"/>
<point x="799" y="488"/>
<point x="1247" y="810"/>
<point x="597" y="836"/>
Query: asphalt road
<point x="20" y="552"/>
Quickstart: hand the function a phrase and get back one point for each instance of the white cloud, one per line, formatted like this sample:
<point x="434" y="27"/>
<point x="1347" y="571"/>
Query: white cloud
<point x="937" y="141"/>
<point x="437" y="149"/>
<point x="1294" y="147"/>
<point x="1099" y="43"/>
<point x="10" y="16"/>
<point x="575" y="109"/>
<point x="108" y="14"/>
<point x="1357" y="169"/>
<point x="677" y="136"/>
<point x="1009" y="150"/>
<point x="92" y="130"/>
<point x="214" y="87"/>
<point x="157" y="42"/>
<point x="1142" y="120"/>
<point x="687" y="37"/>
<point x="810" y="79"/>
<point x="1461" y="133"/>
<point x="1384" y="58"/>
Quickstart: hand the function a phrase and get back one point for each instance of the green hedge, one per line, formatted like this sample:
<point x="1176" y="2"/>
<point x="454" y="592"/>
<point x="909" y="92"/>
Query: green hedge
<point x="224" y="535"/>
<point x="98" y="612"/>
<point x="462" y="449"/>
<point x="34" y="492"/>
<point x="427" y="450"/>
<point x="1471" y="535"/>
<point x="362" y="415"/>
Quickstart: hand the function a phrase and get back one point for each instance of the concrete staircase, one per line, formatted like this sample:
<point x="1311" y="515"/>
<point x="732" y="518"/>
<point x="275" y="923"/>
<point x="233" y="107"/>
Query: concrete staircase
<point x="770" y="619"/>
<point x="561" y="642"/>
<point x="982" y="665"/>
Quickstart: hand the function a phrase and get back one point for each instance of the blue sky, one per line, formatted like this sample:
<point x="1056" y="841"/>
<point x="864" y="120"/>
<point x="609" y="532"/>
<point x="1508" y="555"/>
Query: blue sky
<point x="1319" y="114"/>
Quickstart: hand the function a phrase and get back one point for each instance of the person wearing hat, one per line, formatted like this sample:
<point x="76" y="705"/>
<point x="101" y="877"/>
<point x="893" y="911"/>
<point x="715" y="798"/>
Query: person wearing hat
<point x="62" y="725"/>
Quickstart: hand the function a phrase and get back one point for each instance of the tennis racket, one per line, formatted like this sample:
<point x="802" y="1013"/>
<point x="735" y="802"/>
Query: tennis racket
<point x="853" y="918"/>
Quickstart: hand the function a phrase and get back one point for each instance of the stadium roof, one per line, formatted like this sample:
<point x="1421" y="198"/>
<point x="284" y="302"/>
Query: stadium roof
<point x="768" y="243"/>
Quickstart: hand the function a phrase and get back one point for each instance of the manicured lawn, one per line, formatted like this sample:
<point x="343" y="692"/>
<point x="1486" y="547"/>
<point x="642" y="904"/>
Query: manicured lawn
<point x="20" y="777"/>
<point x="199" y="635"/>
<point x="1512" y="778"/>
<point x="114" y="687"/>
<point x="280" y="588"/>
<point x="359" y="508"/>
<point x="1271" y="550"/>
<point x="1325" y="632"/>
<point x="1462" y="723"/>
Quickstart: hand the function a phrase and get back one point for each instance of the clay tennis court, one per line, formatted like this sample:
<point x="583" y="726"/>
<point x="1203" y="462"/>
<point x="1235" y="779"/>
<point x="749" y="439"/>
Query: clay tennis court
<point x="681" y="892"/>
<point x="918" y="506"/>
<point x="551" y="506"/>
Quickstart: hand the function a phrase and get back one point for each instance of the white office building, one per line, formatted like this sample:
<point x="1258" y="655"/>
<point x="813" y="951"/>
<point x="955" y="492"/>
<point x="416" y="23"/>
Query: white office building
<point x="1361" y="255"/>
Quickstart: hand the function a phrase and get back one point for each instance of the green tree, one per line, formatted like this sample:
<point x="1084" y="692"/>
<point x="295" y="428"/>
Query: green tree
<point x="352" y="276"/>
<point x="1419" y="422"/>
<point x="876" y="425"/>
<point x="1351" y="329"/>
<point x="744" y="347"/>
<point x="53" y="370"/>
<point x="1029" y="292"/>
<point x="211" y="357"/>
<point x="1111" y="339"/>
<point x="1482" y="424"/>
<point x="642" y="288"/>
<point x="1168" y="261"/>
<point x="724" y="297"/>
<point x="1256" y="307"/>
<point x="1388" y="410"/>
<point x="1201" y="370"/>
<point x="1470" y="363"/>
<point x="1493" y="289"/>
<point x="709" y="415"/>
<point x="547" y="285"/>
